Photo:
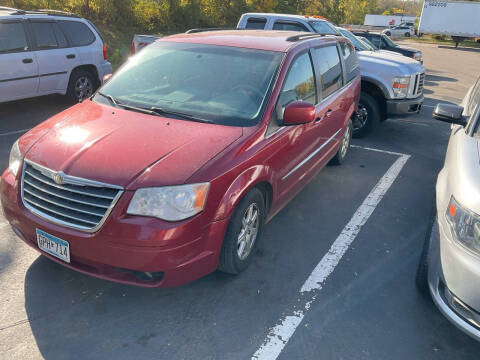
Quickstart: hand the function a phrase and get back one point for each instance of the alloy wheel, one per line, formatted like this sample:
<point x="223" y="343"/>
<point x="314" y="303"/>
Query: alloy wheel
<point x="248" y="232"/>
<point x="360" y="118"/>
<point x="83" y="88"/>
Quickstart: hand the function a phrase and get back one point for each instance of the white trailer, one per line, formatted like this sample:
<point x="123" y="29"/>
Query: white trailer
<point x="458" y="19"/>
<point x="386" y="20"/>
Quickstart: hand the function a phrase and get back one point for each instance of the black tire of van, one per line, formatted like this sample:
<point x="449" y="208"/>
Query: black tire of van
<point x="369" y="113"/>
<point x="81" y="85"/>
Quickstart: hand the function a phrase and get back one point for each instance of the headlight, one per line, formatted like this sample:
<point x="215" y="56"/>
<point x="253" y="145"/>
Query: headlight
<point x="418" y="56"/>
<point x="464" y="226"/>
<point x="400" y="86"/>
<point x="15" y="159"/>
<point x="170" y="203"/>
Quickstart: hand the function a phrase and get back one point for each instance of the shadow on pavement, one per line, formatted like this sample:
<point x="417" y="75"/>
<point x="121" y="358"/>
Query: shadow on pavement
<point x="468" y="49"/>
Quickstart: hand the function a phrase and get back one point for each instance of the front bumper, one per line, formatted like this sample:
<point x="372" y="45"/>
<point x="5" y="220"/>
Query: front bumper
<point x="127" y="249"/>
<point x="452" y="275"/>
<point x="404" y="106"/>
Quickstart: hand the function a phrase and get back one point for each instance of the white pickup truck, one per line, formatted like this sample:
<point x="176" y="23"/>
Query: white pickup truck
<point x="140" y="41"/>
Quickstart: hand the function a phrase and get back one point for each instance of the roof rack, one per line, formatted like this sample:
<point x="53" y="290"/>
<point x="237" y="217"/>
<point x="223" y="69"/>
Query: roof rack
<point x="193" y="31"/>
<point x="38" y="12"/>
<point x="308" y="36"/>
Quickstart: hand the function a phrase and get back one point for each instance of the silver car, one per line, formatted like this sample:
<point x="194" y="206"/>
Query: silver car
<point x="450" y="264"/>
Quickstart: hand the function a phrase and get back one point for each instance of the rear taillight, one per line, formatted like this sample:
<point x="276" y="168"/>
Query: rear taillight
<point x="105" y="52"/>
<point x="133" y="48"/>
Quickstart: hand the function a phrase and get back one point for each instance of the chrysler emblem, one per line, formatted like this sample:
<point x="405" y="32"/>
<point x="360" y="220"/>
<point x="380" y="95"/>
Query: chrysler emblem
<point x="58" y="178"/>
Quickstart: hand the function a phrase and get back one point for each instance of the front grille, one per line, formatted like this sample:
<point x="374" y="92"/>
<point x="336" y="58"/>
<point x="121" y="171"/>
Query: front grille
<point x="74" y="202"/>
<point x="419" y="80"/>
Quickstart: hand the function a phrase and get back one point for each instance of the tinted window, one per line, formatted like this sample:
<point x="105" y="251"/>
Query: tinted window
<point x="256" y="23"/>
<point x="44" y="35"/>
<point x="61" y="40"/>
<point x="350" y="59"/>
<point x="330" y="69"/>
<point x="77" y="33"/>
<point x="12" y="37"/>
<point x="376" y="40"/>
<point x="289" y="26"/>
<point x="299" y="84"/>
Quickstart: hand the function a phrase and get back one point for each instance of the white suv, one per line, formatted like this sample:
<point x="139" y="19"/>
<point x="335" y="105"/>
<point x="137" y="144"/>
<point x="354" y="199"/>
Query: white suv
<point x="45" y="52"/>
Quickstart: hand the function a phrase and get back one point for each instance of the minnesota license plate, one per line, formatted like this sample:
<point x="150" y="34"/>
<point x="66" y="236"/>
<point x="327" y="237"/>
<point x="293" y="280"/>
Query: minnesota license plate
<point x="53" y="245"/>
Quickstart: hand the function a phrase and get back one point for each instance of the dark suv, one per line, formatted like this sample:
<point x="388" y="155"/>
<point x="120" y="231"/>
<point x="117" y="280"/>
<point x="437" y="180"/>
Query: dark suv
<point x="383" y="42"/>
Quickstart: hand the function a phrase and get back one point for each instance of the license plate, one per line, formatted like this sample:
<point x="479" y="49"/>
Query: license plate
<point x="53" y="245"/>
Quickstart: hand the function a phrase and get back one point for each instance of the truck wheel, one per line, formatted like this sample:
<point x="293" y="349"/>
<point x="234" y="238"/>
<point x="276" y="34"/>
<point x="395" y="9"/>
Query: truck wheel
<point x="407" y="34"/>
<point x="243" y="233"/>
<point x="81" y="85"/>
<point x="388" y="33"/>
<point x="367" y="116"/>
<point x="341" y="154"/>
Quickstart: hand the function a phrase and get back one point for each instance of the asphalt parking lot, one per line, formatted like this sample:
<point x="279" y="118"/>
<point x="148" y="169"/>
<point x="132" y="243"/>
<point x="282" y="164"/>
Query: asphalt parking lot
<point x="374" y="210"/>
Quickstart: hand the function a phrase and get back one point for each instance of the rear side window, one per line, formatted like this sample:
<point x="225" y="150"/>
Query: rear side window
<point x="77" y="33"/>
<point x="299" y="83"/>
<point x="255" y="23"/>
<point x="289" y="26"/>
<point x="12" y="37"/>
<point x="330" y="69"/>
<point x="350" y="59"/>
<point x="61" y="40"/>
<point x="44" y="35"/>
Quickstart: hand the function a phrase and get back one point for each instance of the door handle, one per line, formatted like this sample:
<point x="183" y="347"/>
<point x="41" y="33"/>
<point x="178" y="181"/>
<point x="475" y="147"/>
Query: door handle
<point x="328" y="113"/>
<point x="27" y="61"/>
<point x="71" y="56"/>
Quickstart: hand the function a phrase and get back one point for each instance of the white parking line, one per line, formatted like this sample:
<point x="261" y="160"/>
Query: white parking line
<point x="14" y="132"/>
<point x="280" y="334"/>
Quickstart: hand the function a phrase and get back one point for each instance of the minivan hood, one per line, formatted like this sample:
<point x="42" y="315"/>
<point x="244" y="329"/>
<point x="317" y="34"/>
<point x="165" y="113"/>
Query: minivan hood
<point x="402" y="64"/>
<point x="117" y="146"/>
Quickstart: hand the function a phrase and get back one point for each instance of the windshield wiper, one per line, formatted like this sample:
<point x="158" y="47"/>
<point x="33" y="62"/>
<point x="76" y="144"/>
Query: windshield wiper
<point x="155" y="110"/>
<point x="109" y="97"/>
<point x="161" y="111"/>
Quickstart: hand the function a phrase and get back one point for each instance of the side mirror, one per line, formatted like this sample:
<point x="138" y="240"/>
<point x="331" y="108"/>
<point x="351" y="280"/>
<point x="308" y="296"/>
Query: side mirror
<point x="298" y="112"/>
<point x="106" y="78"/>
<point x="449" y="113"/>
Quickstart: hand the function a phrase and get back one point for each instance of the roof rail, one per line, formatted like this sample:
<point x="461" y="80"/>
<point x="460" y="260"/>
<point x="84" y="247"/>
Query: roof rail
<point x="193" y="31"/>
<point x="38" y="12"/>
<point x="307" y="36"/>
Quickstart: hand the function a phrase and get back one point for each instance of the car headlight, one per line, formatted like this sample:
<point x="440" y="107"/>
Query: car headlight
<point x="464" y="225"/>
<point x="170" y="203"/>
<point x="418" y="56"/>
<point x="400" y="86"/>
<point x="15" y="159"/>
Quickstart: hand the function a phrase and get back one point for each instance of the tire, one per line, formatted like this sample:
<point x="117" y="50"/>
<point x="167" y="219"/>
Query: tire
<point x="232" y="259"/>
<point x="82" y="85"/>
<point x="407" y="34"/>
<point x="388" y="33"/>
<point x="367" y="116"/>
<point x="341" y="154"/>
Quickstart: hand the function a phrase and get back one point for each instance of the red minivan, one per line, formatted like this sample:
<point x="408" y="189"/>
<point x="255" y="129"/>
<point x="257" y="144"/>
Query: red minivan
<point x="173" y="167"/>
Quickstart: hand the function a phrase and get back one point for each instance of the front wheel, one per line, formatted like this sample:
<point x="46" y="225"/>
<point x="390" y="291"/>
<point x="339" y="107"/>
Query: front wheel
<point x="367" y="116"/>
<point x="388" y="33"/>
<point x="243" y="233"/>
<point x="407" y="34"/>
<point x="341" y="154"/>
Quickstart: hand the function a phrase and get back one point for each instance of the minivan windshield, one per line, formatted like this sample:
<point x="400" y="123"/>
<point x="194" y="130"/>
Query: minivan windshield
<point x="218" y="84"/>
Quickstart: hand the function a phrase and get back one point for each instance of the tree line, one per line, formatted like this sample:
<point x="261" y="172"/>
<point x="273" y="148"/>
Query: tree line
<point x="169" y="16"/>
